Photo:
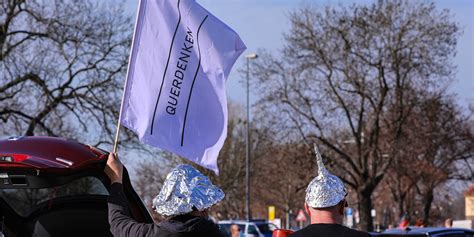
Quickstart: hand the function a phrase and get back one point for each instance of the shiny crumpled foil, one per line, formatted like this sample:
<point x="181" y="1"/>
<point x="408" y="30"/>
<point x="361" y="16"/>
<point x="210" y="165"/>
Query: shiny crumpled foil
<point x="326" y="189"/>
<point x="185" y="188"/>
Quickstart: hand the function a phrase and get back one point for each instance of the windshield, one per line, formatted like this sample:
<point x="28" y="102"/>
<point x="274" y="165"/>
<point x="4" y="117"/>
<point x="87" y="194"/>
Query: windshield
<point x="25" y="201"/>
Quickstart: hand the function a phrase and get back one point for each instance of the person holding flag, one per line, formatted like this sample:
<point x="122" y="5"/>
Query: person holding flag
<point x="174" y="99"/>
<point x="184" y="200"/>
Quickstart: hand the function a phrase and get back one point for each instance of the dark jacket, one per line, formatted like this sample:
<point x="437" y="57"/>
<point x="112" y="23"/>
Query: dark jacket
<point x="328" y="230"/>
<point x="121" y="223"/>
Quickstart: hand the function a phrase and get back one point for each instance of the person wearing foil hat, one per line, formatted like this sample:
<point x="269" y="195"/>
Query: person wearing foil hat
<point x="325" y="202"/>
<point x="184" y="200"/>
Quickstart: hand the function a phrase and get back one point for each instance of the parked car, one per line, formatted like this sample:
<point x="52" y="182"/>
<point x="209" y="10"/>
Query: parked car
<point x="427" y="231"/>
<point x="56" y="187"/>
<point x="253" y="228"/>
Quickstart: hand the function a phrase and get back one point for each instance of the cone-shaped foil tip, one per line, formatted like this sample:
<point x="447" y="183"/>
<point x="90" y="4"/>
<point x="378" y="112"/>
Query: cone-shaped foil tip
<point x="322" y="171"/>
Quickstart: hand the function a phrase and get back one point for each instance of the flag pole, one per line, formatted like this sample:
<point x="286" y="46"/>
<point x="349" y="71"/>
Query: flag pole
<point x="117" y="133"/>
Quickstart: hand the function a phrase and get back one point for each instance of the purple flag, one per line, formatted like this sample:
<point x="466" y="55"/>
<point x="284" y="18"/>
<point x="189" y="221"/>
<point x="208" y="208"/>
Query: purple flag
<point x="175" y="95"/>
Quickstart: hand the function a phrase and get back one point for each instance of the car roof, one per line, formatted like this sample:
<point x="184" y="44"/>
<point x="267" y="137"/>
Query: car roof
<point x="425" y="230"/>
<point x="242" y="222"/>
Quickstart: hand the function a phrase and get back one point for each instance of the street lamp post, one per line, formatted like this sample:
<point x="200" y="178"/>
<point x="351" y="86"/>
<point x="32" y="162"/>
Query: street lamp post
<point x="247" y="144"/>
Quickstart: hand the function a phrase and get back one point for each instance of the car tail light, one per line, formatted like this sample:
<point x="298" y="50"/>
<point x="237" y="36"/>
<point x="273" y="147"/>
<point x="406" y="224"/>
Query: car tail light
<point x="13" y="158"/>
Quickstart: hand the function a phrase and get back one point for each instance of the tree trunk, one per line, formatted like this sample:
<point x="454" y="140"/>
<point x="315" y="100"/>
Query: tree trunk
<point x="428" y="199"/>
<point x="401" y="208"/>
<point x="365" y="201"/>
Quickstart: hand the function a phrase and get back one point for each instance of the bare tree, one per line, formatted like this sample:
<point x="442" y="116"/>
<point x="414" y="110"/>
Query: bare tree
<point x="284" y="171"/>
<point x="442" y="147"/>
<point x="349" y="78"/>
<point x="437" y="147"/>
<point x="400" y="184"/>
<point x="62" y="65"/>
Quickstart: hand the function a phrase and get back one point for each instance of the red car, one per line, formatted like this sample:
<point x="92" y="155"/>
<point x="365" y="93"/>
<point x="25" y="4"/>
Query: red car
<point x="57" y="187"/>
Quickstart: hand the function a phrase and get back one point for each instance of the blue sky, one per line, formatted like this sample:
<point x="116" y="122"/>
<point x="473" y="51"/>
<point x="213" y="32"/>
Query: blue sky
<point x="261" y="23"/>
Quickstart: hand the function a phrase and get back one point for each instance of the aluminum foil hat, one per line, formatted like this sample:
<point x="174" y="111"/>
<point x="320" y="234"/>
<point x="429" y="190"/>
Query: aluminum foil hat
<point x="326" y="189"/>
<point x="186" y="188"/>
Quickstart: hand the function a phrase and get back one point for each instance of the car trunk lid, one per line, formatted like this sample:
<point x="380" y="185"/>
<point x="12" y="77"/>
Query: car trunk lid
<point x="49" y="154"/>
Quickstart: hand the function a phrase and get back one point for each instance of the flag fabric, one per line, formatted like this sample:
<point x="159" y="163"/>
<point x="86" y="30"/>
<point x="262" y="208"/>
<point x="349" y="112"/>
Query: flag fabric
<point x="175" y="97"/>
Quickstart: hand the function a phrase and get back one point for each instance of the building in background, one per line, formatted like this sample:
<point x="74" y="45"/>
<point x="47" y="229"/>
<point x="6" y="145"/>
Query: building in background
<point x="469" y="203"/>
<point x="469" y="210"/>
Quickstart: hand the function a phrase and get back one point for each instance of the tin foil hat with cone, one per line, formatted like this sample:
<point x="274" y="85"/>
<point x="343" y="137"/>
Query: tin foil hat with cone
<point x="326" y="189"/>
<point x="185" y="190"/>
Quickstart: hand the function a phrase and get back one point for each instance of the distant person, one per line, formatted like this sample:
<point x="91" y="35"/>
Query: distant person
<point x="184" y="200"/>
<point x="448" y="223"/>
<point x="234" y="231"/>
<point x="405" y="221"/>
<point x="325" y="202"/>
